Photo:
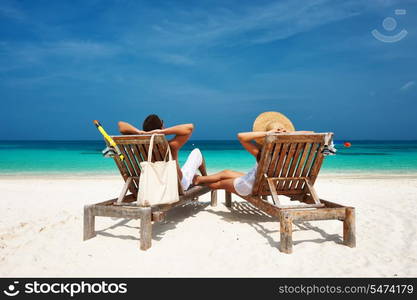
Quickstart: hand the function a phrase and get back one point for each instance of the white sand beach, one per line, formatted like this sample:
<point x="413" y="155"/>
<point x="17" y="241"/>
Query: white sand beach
<point x="41" y="233"/>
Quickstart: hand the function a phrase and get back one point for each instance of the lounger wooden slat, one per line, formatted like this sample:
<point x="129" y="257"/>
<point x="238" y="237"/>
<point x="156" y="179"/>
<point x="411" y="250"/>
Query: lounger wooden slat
<point x="314" y="171"/>
<point x="126" y="161"/>
<point x="162" y="151"/>
<point x="125" y="174"/>
<point x="133" y="160"/>
<point x="262" y="167"/>
<point x="294" y="164"/>
<point x="281" y="159"/>
<point x="135" y="149"/>
<point x="300" y="166"/>
<point x="307" y="165"/>
<point x="138" y="156"/>
<point x="289" y="166"/>
<point x="157" y="155"/>
<point x="282" y="153"/>
<point x="274" y="159"/>
<point x="137" y="139"/>
<point x="129" y="164"/>
<point x="143" y="151"/>
<point x="287" y="163"/>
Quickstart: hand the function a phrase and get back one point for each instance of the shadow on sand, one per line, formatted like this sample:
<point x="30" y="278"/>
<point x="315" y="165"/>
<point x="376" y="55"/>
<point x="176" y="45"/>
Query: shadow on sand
<point x="172" y="219"/>
<point x="246" y="213"/>
<point x="242" y="212"/>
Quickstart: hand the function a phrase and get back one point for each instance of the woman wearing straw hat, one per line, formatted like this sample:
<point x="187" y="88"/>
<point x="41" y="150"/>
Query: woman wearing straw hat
<point x="238" y="182"/>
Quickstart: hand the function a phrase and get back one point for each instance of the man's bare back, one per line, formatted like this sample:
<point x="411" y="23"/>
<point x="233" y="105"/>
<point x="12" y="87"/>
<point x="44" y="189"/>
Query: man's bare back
<point x="182" y="135"/>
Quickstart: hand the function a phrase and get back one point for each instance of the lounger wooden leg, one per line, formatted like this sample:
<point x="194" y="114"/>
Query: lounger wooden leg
<point x="213" y="198"/>
<point x="145" y="228"/>
<point x="89" y="223"/>
<point x="228" y="199"/>
<point x="349" y="236"/>
<point x="286" y="233"/>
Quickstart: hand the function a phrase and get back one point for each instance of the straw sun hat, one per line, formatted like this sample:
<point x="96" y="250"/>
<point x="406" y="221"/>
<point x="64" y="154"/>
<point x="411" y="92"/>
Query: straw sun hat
<point x="271" y="120"/>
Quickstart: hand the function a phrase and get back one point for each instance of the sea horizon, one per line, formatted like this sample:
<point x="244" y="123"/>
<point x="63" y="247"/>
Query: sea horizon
<point x="202" y="140"/>
<point x="83" y="157"/>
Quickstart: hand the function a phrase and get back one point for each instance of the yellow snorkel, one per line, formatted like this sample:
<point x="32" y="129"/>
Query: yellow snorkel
<point x="110" y="141"/>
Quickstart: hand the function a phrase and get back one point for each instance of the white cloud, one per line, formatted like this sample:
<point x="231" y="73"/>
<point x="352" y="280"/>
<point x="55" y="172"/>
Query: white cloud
<point x="82" y="48"/>
<point x="8" y="10"/>
<point x="34" y="53"/>
<point x="175" y="59"/>
<point x="407" y="86"/>
<point x="254" y="24"/>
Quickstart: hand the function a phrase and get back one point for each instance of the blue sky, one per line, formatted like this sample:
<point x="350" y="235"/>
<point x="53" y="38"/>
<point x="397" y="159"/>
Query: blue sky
<point x="217" y="64"/>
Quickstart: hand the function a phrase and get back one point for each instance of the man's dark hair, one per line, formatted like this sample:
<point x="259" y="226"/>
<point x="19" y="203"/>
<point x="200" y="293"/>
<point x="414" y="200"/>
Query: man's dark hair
<point x="152" y="122"/>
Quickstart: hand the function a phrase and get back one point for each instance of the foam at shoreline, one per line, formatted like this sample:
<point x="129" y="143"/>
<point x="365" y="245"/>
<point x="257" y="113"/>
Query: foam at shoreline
<point x="101" y="175"/>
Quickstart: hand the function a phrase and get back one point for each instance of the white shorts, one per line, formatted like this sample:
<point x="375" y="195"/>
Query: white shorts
<point x="190" y="168"/>
<point x="244" y="184"/>
<point x="242" y="187"/>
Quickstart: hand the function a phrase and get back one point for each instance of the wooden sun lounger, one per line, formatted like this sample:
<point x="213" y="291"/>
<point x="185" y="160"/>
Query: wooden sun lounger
<point x="135" y="150"/>
<point x="289" y="166"/>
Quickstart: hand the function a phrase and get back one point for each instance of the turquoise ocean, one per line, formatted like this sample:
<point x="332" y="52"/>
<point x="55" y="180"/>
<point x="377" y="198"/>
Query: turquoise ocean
<point x="85" y="158"/>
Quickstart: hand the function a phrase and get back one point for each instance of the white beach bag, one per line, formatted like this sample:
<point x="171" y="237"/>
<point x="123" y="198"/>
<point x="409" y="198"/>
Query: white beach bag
<point x="158" y="183"/>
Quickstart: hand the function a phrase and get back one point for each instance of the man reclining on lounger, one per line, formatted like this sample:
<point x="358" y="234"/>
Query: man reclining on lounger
<point x="153" y="124"/>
